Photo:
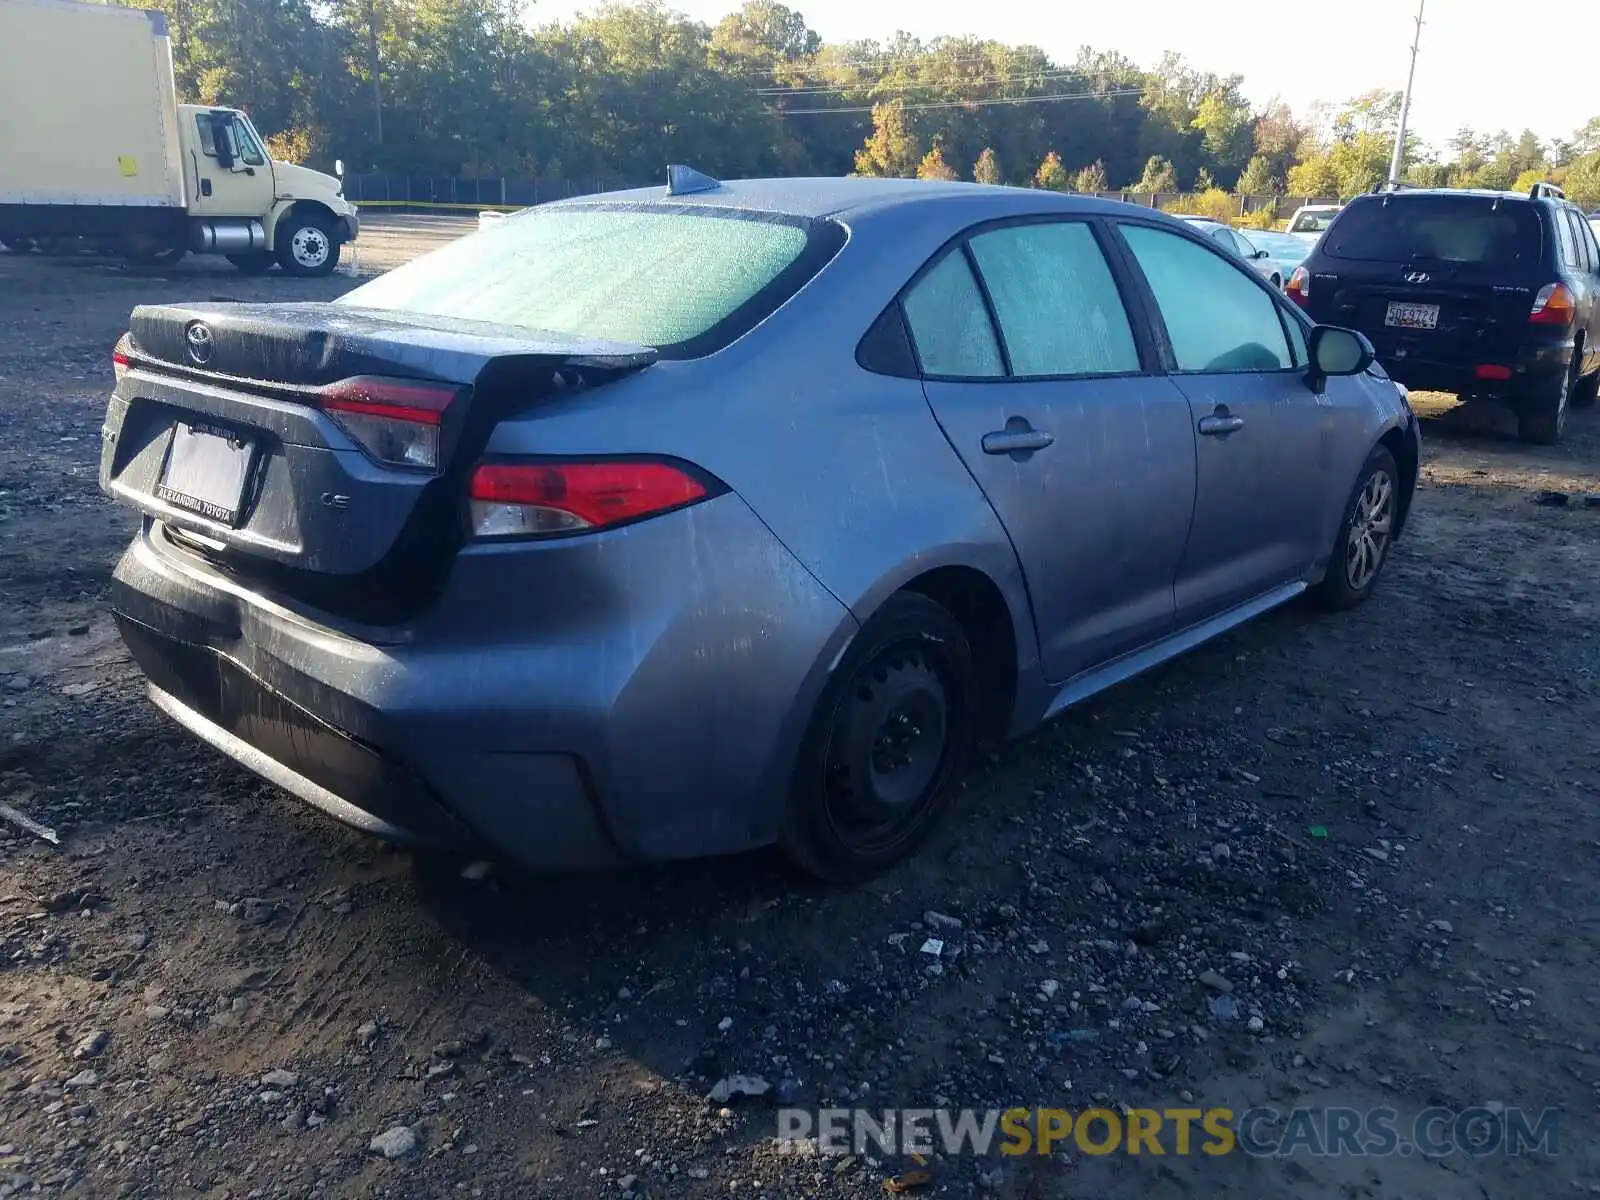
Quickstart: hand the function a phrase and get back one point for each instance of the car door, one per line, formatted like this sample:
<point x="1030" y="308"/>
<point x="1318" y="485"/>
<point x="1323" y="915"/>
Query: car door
<point x="1263" y="440"/>
<point x="1587" y="270"/>
<point x="242" y="190"/>
<point x="1048" y="389"/>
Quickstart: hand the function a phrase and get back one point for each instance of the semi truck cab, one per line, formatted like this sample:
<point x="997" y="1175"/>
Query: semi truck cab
<point x="253" y="209"/>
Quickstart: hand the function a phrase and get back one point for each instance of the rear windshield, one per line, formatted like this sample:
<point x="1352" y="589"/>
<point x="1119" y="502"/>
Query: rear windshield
<point x="684" y="280"/>
<point x="1462" y="229"/>
<point x="1313" y="222"/>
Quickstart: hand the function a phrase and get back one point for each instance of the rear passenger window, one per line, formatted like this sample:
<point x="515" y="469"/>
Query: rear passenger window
<point x="950" y="323"/>
<point x="1218" y="317"/>
<point x="1583" y="257"/>
<point x="1569" y="249"/>
<point x="1587" y="231"/>
<point x="1057" y="303"/>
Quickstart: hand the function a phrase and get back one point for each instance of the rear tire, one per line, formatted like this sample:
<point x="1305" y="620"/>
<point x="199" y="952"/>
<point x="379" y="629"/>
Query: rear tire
<point x="1366" y="534"/>
<point x="886" y="745"/>
<point x="307" y="246"/>
<point x="252" y="264"/>
<point x="1542" y="420"/>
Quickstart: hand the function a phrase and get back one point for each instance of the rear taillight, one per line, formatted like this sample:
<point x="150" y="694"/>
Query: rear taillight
<point x="1298" y="288"/>
<point x="122" y="356"/>
<point x="396" y="421"/>
<point x="1554" y="305"/>
<point x="538" y="499"/>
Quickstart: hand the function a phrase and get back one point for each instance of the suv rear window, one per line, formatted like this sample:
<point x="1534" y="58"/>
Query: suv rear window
<point x="684" y="280"/>
<point x="1463" y="229"/>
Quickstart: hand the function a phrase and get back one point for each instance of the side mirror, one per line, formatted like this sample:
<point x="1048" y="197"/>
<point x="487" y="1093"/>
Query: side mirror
<point x="1261" y="254"/>
<point x="1334" y="352"/>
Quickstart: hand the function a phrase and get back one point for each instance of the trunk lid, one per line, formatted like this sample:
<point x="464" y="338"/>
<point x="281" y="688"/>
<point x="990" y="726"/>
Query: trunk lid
<point x="219" y="428"/>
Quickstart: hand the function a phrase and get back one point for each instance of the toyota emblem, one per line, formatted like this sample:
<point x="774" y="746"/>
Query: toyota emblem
<point x="198" y="336"/>
<point x="1417" y="277"/>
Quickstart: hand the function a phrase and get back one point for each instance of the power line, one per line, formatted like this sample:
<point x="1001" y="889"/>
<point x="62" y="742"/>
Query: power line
<point x="885" y="62"/>
<point x="1062" y="97"/>
<point x="1025" y="77"/>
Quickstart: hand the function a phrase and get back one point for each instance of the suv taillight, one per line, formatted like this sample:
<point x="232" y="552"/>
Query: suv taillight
<point x="1554" y="305"/>
<point x="122" y="356"/>
<point x="1298" y="288"/>
<point x="396" y="421"/>
<point x="552" y="497"/>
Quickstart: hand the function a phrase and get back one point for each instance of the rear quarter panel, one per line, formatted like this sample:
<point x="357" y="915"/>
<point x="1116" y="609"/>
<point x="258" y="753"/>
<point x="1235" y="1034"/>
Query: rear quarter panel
<point x="848" y="469"/>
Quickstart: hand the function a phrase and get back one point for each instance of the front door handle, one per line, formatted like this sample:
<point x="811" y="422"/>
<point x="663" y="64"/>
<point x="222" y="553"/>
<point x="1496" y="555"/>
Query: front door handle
<point x="1220" y="423"/>
<point x="1018" y="437"/>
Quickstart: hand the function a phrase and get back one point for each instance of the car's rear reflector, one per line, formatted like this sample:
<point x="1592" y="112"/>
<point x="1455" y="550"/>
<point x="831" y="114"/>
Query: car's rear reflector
<point x="1492" y="371"/>
<point x="396" y="421"/>
<point x="550" y="497"/>
<point x="1554" y="305"/>
<point x="122" y="356"/>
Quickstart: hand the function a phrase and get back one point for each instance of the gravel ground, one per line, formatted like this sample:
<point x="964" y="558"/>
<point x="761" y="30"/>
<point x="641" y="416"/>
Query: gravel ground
<point x="1321" y="861"/>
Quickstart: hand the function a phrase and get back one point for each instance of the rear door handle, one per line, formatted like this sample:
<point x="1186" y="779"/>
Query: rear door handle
<point x="1016" y="441"/>
<point x="1218" y="425"/>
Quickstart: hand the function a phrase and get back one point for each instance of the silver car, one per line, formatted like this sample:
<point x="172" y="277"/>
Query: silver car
<point x="685" y="521"/>
<point x="1232" y="240"/>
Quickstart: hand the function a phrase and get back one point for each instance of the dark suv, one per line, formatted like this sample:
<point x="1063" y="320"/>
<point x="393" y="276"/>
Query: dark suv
<point x="1491" y="295"/>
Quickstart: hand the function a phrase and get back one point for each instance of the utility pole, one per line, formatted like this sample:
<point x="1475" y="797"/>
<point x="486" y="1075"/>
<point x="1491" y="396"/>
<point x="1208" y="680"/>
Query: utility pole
<point x="1398" y="162"/>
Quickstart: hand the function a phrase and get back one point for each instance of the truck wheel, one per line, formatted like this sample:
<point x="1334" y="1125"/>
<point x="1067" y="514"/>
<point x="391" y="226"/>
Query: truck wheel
<point x="306" y="246"/>
<point x="252" y="264"/>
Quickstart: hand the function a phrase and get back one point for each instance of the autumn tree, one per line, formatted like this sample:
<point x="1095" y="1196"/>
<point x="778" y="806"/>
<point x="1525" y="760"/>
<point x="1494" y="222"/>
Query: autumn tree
<point x="1092" y="179"/>
<point x="1159" y="177"/>
<point x="891" y="149"/>
<point x="1051" y="175"/>
<point x="1257" y="178"/>
<point x="1314" y="177"/>
<point x="987" y="168"/>
<point x="933" y="166"/>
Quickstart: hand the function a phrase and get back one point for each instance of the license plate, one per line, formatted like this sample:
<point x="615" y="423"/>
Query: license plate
<point x="1412" y="316"/>
<point x="206" y="472"/>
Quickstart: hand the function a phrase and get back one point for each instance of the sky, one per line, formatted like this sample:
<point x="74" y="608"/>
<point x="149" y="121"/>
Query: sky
<point x="1480" y="64"/>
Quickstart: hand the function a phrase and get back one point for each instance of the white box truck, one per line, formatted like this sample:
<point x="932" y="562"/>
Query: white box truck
<point x="94" y="145"/>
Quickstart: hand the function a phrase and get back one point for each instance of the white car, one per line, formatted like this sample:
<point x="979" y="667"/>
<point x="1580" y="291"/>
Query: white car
<point x="489" y="218"/>
<point x="1230" y="238"/>
<point x="1309" y="221"/>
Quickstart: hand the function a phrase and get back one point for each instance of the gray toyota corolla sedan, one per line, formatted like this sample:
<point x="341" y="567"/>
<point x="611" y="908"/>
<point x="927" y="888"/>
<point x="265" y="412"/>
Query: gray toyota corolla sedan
<point x="694" y="519"/>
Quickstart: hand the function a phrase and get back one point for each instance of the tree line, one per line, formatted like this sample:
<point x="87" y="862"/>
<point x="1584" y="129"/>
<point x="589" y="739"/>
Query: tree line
<point x="472" y="88"/>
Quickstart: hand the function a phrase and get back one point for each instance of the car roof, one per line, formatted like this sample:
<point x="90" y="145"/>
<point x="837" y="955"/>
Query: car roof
<point x="832" y="197"/>
<point x="1480" y="193"/>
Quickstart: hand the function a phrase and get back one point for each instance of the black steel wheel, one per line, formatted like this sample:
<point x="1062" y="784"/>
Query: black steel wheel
<point x="886" y="745"/>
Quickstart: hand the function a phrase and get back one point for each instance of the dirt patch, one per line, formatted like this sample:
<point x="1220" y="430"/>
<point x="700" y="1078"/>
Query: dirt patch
<point x="1377" y="830"/>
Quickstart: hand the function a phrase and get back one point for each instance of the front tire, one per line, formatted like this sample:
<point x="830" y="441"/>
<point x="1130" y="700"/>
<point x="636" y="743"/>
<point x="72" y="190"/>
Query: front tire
<point x="1365" y="534"/>
<point x="1543" y="419"/>
<point x="886" y="745"/>
<point x="307" y="246"/>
